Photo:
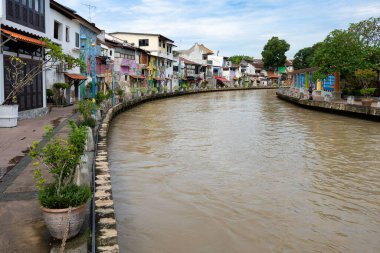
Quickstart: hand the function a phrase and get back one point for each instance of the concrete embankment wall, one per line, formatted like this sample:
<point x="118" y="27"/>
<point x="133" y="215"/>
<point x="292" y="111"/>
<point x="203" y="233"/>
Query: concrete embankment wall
<point x="106" y="232"/>
<point x="358" y="111"/>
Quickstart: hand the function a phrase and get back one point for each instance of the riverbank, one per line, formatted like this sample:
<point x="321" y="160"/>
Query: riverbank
<point x="106" y="231"/>
<point x="340" y="107"/>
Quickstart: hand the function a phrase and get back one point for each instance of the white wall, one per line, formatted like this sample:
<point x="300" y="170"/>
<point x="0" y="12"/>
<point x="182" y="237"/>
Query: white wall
<point x="134" y="38"/>
<point x="217" y="61"/>
<point x="52" y="76"/>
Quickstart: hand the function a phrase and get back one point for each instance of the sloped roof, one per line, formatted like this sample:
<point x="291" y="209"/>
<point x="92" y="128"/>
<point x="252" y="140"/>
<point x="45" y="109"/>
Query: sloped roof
<point x="208" y="51"/>
<point x="22" y="37"/>
<point x="188" y="61"/>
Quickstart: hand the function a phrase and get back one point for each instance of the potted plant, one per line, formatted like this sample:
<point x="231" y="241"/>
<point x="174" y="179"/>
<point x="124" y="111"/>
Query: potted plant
<point x="19" y="77"/>
<point x="365" y="77"/>
<point x="63" y="203"/>
<point x="86" y="108"/>
<point x="120" y="92"/>
<point x="154" y="91"/>
<point x="143" y="90"/>
<point x="133" y="90"/>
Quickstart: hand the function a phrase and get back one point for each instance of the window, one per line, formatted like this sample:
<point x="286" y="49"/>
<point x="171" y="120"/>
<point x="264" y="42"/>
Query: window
<point x="57" y="28"/>
<point x="163" y="44"/>
<point x="205" y="57"/>
<point x="159" y="43"/>
<point x="143" y="43"/>
<point x="110" y="52"/>
<point x="77" y="39"/>
<point x="67" y="34"/>
<point x="36" y="3"/>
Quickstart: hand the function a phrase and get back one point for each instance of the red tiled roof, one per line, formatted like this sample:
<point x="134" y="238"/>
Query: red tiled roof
<point x="220" y="78"/>
<point x="139" y="77"/>
<point x="76" y="76"/>
<point x="23" y="37"/>
<point x="272" y="75"/>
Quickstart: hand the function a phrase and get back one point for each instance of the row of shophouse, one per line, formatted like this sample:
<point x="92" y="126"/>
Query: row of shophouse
<point x="119" y="59"/>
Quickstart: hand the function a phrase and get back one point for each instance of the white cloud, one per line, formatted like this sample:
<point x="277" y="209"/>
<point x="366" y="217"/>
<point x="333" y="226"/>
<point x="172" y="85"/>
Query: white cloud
<point x="234" y="26"/>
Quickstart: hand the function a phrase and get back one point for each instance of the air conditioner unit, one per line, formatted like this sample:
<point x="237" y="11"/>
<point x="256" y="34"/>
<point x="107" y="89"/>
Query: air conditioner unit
<point x="125" y="44"/>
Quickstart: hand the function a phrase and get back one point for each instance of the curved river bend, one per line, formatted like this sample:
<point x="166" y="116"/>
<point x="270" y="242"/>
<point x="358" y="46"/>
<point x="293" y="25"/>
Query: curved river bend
<point x="244" y="172"/>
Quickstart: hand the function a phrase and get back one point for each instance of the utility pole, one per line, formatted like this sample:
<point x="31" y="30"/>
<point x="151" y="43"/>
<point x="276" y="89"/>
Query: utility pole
<point x="90" y="7"/>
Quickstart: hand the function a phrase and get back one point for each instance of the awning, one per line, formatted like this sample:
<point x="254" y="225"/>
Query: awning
<point x="24" y="38"/>
<point x="75" y="76"/>
<point x="167" y="78"/>
<point x="137" y="77"/>
<point x="236" y="78"/>
<point x="220" y="78"/>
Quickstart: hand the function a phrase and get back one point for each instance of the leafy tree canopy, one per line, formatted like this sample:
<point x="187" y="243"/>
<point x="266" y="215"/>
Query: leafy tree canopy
<point x="274" y="53"/>
<point x="345" y="51"/>
<point x="236" y="59"/>
<point x="304" y="57"/>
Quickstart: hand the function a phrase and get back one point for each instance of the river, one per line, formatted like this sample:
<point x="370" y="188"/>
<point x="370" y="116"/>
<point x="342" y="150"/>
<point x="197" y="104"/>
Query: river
<point x="244" y="172"/>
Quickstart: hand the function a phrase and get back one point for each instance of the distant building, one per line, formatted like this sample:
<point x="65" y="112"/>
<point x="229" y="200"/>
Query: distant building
<point x="160" y="47"/>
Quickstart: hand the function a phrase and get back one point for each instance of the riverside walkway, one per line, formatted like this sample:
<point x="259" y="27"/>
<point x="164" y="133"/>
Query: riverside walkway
<point x="21" y="222"/>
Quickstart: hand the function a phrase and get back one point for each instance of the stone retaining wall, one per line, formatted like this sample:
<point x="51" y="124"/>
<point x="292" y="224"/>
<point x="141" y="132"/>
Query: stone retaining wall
<point x="106" y="232"/>
<point x="359" y="111"/>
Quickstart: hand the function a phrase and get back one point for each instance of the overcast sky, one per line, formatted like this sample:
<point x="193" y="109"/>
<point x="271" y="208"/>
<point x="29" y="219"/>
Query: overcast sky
<point x="230" y="27"/>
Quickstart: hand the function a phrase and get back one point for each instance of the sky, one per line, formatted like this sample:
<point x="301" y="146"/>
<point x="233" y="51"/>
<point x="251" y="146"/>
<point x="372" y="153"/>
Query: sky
<point x="232" y="27"/>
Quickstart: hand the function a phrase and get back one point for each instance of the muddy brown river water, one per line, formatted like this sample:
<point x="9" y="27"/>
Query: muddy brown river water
<point x="244" y="172"/>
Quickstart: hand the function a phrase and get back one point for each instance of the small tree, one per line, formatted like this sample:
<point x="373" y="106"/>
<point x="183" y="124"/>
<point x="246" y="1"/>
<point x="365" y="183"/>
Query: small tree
<point x="20" y="78"/>
<point x="366" y="77"/>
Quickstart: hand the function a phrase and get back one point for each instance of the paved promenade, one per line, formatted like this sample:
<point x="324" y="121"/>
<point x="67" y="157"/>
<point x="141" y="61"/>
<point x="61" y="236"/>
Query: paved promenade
<point x="21" y="222"/>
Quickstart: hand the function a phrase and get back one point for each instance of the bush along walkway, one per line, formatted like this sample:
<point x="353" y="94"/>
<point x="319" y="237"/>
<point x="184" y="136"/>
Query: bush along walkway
<point x="21" y="221"/>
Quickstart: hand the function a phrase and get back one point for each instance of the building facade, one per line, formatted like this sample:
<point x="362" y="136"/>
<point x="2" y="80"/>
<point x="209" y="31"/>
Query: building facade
<point x="23" y="23"/>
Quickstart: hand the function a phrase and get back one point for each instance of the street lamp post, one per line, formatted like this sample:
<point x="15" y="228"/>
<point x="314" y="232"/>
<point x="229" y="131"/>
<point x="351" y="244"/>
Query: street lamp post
<point x="108" y="61"/>
<point x="93" y="76"/>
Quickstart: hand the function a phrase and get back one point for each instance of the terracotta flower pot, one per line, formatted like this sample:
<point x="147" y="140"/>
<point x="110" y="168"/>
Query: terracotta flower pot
<point x="56" y="220"/>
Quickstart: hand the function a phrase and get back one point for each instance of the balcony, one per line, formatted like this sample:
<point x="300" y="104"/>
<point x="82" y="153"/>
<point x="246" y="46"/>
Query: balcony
<point x="163" y="54"/>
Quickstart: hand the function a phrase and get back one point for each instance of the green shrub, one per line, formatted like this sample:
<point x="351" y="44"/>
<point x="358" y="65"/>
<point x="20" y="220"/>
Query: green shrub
<point x="143" y="90"/>
<point x="60" y="157"/>
<point x="119" y="92"/>
<point x="49" y="93"/>
<point x="70" y="195"/>
<point x="100" y="97"/>
<point x="154" y="90"/>
<point x="86" y="108"/>
<point x="77" y="138"/>
<point x="109" y="94"/>
<point x="367" y="91"/>
<point x="61" y="86"/>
